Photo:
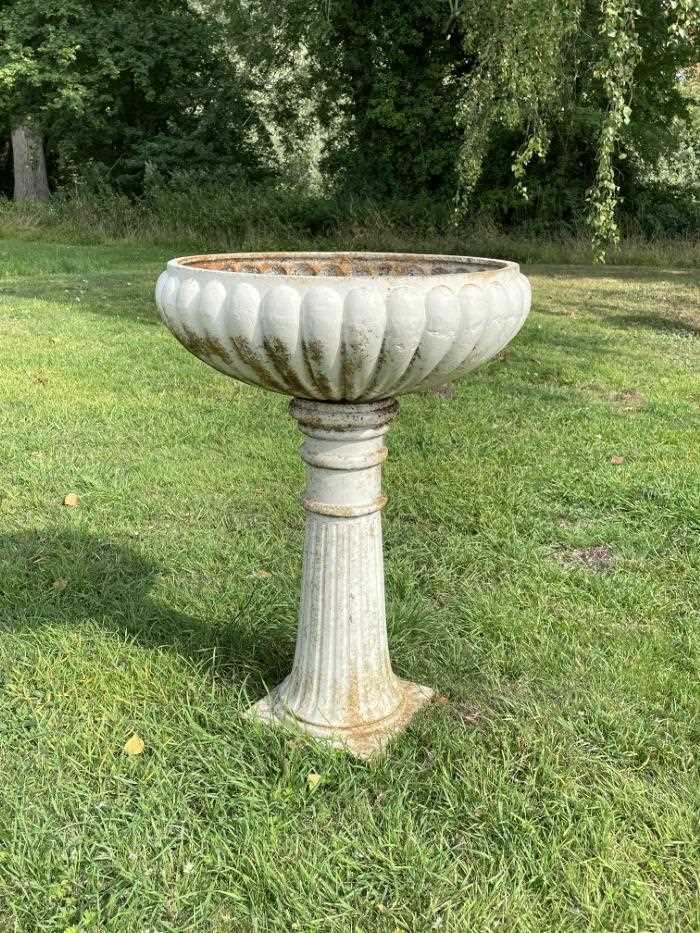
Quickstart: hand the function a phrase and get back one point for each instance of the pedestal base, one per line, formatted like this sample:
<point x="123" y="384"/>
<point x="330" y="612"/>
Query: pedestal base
<point x="365" y="741"/>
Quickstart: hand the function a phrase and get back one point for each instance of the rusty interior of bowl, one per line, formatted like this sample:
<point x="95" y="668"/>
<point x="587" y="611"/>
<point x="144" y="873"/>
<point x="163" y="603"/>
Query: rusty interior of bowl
<point x="341" y="264"/>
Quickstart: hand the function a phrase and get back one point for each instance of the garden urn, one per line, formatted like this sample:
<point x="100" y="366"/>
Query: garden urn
<point x="343" y="334"/>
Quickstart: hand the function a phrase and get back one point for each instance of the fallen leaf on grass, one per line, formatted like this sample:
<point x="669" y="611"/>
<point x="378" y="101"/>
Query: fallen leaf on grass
<point x="466" y="714"/>
<point x="261" y="574"/>
<point x="60" y="584"/>
<point x="135" y="745"/>
<point x="617" y="461"/>
<point x="72" y="499"/>
<point x="440" y="699"/>
<point x="313" y="780"/>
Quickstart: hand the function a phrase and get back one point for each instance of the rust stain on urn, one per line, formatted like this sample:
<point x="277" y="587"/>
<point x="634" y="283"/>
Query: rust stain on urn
<point x="344" y="511"/>
<point x="250" y="357"/>
<point x="314" y="350"/>
<point x="313" y="353"/>
<point x="278" y="351"/>
<point x="348" y="368"/>
<point x="203" y="345"/>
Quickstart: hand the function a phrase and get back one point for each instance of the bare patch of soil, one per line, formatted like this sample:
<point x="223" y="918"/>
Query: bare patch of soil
<point x="599" y="558"/>
<point x="628" y="399"/>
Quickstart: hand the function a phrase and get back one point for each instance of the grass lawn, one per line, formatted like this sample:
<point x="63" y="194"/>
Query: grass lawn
<point x="552" y="595"/>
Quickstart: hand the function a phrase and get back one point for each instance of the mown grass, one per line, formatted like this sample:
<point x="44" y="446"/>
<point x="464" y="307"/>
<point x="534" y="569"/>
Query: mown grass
<point x="556" y="790"/>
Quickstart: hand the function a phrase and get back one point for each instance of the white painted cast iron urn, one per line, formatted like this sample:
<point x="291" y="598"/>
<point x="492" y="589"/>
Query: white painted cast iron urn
<point x="344" y="334"/>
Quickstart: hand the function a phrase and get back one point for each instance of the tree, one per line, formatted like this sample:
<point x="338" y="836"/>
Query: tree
<point x="594" y="80"/>
<point x="550" y="111"/>
<point x="546" y="110"/>
<point x="390" y="78"/>
<point x="129" y="90"/>
<point x="31" y="56"/>
<point x="379" y="77"/>
<point x="31" y="180"/>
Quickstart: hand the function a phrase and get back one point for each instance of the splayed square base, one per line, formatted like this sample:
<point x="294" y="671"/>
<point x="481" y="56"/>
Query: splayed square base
<point x="364" y="741"/>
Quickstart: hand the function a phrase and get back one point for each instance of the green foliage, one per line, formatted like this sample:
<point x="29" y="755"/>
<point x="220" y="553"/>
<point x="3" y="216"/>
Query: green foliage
<point x="593" y="86"/>
<point x="390" y="78"/>
<point x="545" y="111"/>
<point x="187" y="216"/>
<point x="381" y="81"/>
<point x="555" y="115"/>
<point x="519" y="51"/>
<point x="128" y="92"/>
<point x="621" y="55"/>
<point x="39" y="59"/>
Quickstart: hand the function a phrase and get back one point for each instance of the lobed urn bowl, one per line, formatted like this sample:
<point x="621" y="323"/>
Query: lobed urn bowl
<point x="343" y="334"/>
<point x="343" y="327"/>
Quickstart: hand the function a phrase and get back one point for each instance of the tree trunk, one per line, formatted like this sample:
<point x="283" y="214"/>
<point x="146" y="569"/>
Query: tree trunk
<point x="31" y="182"/>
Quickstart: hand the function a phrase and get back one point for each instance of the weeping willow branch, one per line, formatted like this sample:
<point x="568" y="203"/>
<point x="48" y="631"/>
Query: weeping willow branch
<point x="520" y="47"/>
<point x="622" y="53"/>
<point x="531" y="59"/>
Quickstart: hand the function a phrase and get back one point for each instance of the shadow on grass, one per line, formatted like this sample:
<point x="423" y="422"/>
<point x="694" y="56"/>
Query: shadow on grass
<point x="108" y="294"/>
<point x="602" y="271"/>
<point x="684" y="325"/>
<point x="574" y="342"/>
<point x="71" y="577"/>
<point x="667" y="304"/>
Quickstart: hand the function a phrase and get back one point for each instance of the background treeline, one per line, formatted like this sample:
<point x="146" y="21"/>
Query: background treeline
<point x="340" y="110"/>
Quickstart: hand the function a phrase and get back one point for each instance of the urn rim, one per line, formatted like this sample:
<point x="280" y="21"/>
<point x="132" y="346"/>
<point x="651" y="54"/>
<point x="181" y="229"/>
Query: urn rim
<point x="341" y="266"/>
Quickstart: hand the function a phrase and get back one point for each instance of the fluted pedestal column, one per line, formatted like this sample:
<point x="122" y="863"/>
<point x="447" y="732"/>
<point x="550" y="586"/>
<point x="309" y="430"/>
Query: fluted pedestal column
<point x="342" y="687"/>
